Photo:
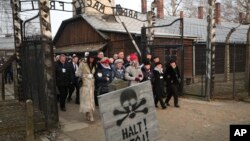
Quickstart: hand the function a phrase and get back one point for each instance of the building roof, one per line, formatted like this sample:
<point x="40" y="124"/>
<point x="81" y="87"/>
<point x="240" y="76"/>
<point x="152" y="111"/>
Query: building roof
<point x="193" y="27"/>
<point x="7" y="43"/>
<point x="80" y="48"/>
<point x="198" y="27"/>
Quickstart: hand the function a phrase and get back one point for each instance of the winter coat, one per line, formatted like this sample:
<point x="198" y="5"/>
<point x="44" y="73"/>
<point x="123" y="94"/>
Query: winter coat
<point x="131" y="73"/>
<point x="103" y="77"/>
<point x="172" y="76"/>
<point x="158" y="82"/>
<point x="73" y="71"/>
<point x="147" y="75"/>
<point x="119" y="74"/>
<point x="64" y="74"/>
<point x="87" y="102"/>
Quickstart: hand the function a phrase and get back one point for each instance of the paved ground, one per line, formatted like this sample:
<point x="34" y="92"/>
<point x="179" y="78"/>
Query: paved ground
<point x="196" y="120"/>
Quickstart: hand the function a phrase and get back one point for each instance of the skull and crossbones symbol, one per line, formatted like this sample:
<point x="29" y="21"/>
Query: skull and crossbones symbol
<point x="130" y="105"/>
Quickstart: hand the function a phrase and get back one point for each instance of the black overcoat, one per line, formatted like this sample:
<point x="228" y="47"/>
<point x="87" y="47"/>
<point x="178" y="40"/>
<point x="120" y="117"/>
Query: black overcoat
<point x="64" y="74"/>
<point x="158" y="83"/>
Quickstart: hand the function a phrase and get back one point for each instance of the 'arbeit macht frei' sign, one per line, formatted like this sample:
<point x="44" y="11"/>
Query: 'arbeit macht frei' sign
<point x="129" y="114"/>
<point x="66" y="6"/>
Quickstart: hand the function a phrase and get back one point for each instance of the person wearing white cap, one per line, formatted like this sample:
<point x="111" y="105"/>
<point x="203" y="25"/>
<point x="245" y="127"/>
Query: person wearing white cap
<point x="119" y="70"/>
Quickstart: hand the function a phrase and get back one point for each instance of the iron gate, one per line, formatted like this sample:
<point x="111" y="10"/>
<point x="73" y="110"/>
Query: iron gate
<point x="35" y="82"/>
<point x="32" y="69"/>
<point x="172" y="50"/>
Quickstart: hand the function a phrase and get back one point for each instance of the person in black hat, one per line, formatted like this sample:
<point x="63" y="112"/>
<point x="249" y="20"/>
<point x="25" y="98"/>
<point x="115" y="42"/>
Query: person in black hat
<point x="155" y="60"/>
<point x="158" y="85"/>
<point x="147" y="71"/>
<point x="172" y="77"/>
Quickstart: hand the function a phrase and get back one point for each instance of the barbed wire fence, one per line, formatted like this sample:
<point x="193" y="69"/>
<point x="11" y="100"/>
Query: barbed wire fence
<point x="6" y="20"/>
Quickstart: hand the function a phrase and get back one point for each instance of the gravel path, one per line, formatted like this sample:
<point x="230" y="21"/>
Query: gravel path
<point x="196" y="120"/>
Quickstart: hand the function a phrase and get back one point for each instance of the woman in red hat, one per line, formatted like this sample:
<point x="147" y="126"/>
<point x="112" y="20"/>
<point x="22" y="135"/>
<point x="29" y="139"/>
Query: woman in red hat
<point x="133" y="72"/>
<point x="103" y="76"/>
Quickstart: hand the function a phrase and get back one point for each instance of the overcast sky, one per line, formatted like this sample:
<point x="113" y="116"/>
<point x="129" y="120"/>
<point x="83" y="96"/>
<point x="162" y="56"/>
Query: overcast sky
<point x="57" y="17"/>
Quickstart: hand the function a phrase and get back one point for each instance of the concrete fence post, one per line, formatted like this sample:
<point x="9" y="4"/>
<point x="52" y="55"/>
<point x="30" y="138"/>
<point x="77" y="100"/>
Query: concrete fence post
<point x="29" y="121"/>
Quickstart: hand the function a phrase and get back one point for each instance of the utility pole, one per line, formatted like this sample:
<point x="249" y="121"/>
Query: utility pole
<point x="17" y="26"/>
<point x="210" y="51"/>
<point x="49" y="72"/>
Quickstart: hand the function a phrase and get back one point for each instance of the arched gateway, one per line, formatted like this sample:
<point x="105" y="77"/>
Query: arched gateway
<point x="34" y="55"/>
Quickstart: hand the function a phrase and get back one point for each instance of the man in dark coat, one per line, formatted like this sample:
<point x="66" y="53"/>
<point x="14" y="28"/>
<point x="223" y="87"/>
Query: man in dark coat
<point x="75" y="83"/>
<point x="158" y="85"/>
<point x="172" y="77"/>
<point x="147" y="71"/>
<point x="64" y="78"/>
<point x="155" y="59"/>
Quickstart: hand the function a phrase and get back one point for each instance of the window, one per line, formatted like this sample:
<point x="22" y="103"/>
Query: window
<point x="171" y="53"/>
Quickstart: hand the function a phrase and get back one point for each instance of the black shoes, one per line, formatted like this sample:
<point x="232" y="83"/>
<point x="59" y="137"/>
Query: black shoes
<point x="163" y="107"/>
<point x="69" y="99"/>
<point x="177" y="106"/>
<point x="63" y="109"/>
<point x="77" y="102"/>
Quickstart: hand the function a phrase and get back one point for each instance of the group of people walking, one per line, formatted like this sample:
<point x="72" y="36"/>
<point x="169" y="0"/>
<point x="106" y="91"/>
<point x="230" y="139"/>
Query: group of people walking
<point x="91" y="76"/>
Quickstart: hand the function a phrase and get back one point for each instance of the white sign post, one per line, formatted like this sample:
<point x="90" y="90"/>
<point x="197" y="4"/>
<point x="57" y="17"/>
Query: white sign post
<point x="129" y="114"/>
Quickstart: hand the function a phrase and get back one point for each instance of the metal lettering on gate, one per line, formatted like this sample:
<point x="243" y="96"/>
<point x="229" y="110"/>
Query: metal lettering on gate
<point x="98" y="6"/>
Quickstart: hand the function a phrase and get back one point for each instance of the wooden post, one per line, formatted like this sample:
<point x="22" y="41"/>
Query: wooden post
<point x="16" y="96"/>
<point x="51" y="110"/>
<point x="227" y="57"/>
<point x="29" y="121"/>
<point x="2" y="85"/>
<point x="143" y="42"/>
<point x="18" y="41"/>
<point x="210" y="51"/>
<point x="132" y="39"/>
<point x="150" y="34"/>
<point x="247" y="68"/>
<point x="182" y="52"/>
